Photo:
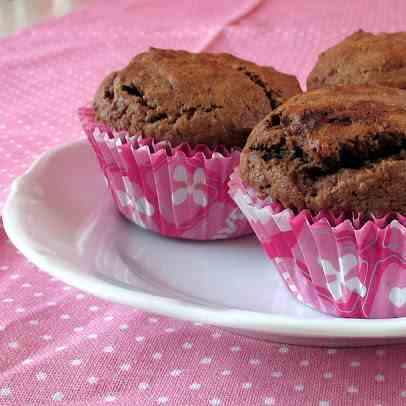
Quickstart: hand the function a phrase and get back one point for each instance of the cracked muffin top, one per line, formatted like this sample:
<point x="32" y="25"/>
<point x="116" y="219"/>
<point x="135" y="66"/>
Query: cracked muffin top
<point x="363" y="58"/>
<point x="198" y="98"/>
<point x="342" y="149"/>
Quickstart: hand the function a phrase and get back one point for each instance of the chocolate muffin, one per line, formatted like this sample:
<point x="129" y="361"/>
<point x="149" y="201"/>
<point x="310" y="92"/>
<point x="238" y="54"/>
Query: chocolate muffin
<point x="363" y="58"/>
<point x="339" y="148"/>
<point x="198" y="98"/>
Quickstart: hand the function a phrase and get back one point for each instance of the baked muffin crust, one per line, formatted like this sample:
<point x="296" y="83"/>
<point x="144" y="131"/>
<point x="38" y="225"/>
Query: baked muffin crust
<point x="362" y="58"/>
<point x="341" y="148"/>
<point x="195" y="98"/>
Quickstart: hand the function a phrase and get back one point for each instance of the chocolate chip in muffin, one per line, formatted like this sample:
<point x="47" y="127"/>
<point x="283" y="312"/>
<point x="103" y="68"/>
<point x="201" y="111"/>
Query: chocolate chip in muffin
<point x="341" y="148"/>
<point x="362" y="58"/>
<point x="198" y="98"/>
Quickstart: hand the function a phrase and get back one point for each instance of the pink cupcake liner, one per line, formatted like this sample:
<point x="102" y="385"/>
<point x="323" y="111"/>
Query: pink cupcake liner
<point x="344" y="267"/>
<point x="175" y="191"/>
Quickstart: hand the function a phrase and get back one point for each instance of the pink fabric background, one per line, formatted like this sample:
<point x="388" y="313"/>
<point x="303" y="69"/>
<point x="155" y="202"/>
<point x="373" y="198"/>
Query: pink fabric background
<point x="60" y="346"/>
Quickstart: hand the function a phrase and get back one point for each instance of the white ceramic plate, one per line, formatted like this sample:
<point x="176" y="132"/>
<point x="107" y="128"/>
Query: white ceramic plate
<point x="60" y="215"/>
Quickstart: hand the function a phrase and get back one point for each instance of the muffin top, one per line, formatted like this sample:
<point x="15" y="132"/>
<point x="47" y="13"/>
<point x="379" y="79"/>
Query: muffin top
<point x="339" y="148"/>
<point x="363" y="58"/>
<point x="195" y="98"/>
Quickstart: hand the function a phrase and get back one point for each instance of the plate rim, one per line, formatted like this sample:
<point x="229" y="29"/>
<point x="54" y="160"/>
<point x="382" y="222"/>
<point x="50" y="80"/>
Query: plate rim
<point x="247" y="320"/>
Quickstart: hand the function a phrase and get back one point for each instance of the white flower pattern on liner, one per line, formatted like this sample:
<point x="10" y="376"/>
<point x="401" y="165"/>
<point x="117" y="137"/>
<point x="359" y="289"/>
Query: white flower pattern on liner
<point x="397" y="296"/>
<point x="339" y="281"/>
<point x="190" y="188"/>
<point x="230" y="224"/>
<point x="139" y="204"/>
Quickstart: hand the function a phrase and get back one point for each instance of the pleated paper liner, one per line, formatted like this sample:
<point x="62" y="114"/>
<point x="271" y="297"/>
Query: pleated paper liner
<point x="175" y="191"/>
<point x="344" y="266"/>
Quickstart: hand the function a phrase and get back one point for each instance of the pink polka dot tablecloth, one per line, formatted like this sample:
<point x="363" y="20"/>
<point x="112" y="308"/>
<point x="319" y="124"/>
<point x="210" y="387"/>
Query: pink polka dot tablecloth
<point x="59" y="345"/>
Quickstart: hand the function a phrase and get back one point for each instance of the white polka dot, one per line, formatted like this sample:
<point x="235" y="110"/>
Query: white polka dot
<point x="46" y="337"/>
<point x="26" y="285"/>
<point x="8" y="300"/>
<point x="162" y="399"/>
<point x="41" y="376"/>
<point x="195" y="386"/>
<point x="4" y="392"/>
<point x="61" y="348"/>
<point x="20" y="310"/>
<point x="304" y="363"/>
<point x="379" y="377"/>
<point x="152" y="319"/>
<point x="216" y="335"/>
<point x="205" y="360"/>
<point x="57" y="396"/>
<point x="125" y="367"/>
<point x="92" y="336"/>
<point x="92" y="380"/>
<point x="283" y="349"/>
<point x="156" y="356"/>
<point x="27" y="361"/>
<point x="226" y="372"/>
<point x="324" y="403"/>
<point x="108" y="349"/>
<point x="246" y="385"/>
<point x="331" y="351"/>
<point x="139" y="339"/>
<point x="176" y="372"/>
<point x="38" y="294"/>
<point x="143" y="386"/>
<point x="299" y="387"/>
<point x="65" y="316"/>
<point x="269" y="401"/>
<point x="169" y="330"/>
<point x="276" y="374"/>
<point x="254" y="361"/>
<point x="108" y="318"/>
<point x="352" y="389"/>
<point x="187" y="346"/>
<point x="123" y="327"/>
<point x="355" y="364"/>
<point x="235" y="348"/>
<point x="13" y="344"/>
<point x="67" y="288"/>
<point x="94" y="308"/>
<point x="78" y="329"/>
<point x="76" y="362"/>
<point x="109" y="398"/>
<point x="15" y="276"/>
<point x="80" y="296"/>
<point x="215" y="402"/>
<point x="198" y="324"/>
<point x="51" y="303"/>
<point x="327" y="375"/>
